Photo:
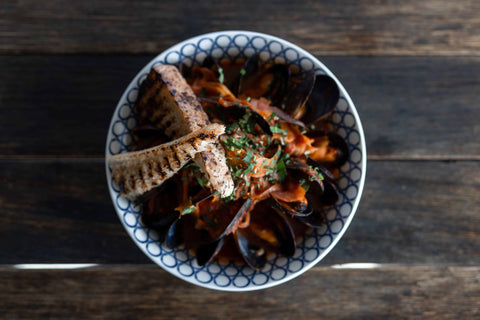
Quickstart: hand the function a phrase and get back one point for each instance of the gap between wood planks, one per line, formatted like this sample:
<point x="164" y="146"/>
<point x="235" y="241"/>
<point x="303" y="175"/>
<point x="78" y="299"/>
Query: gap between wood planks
<point x="94" y="159"/>
<point x="97" y="266"/>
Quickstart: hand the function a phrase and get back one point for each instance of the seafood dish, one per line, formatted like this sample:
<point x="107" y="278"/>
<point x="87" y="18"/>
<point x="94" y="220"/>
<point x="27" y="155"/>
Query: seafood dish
<point x="233" y="160"/>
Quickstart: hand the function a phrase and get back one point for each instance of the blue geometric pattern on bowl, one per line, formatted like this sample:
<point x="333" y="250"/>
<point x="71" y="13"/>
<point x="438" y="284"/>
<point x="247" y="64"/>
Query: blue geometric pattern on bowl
<point x="315" y="245"/>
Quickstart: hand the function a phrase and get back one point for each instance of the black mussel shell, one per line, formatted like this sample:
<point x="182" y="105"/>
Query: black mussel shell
<point x="253" y="254"/>
<point x="253" y="78"/>
<point x="249" y="68"/>
<point x="238" y="216"/>
<point x="307" y="166"/>
<point x="300" y="89"/>
<point x="295" y="208"/>
<point x="320" y="168"/>
<point x="315" y="220"/>
<point x="183" y="232"/>
<point x="159" y="207"/>
<point x="330" y="193"/>
<point x="314" y="197"/>
<point x="210" y="63"/>
<point x="341" y="148"/>
<point x="160" y="222"/>
<point x="207" y="252"/>
<point x="278" y="87"/>
<point x="265" y="219"/>
<point x="323" y="99"/>
<point x="175" y="236"/>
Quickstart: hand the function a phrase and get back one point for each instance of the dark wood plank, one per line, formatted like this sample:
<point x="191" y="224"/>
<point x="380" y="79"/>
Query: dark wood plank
<point x="385" y="293"/>
<point x="421" y="107"/>
<point x="326" y="27"/>
<point x="415" y="212"/>
<point x="60" y="211"/>
<point x="410" y="106"/>
<point x="60" y="105"/>
<point x="411" y="212"/>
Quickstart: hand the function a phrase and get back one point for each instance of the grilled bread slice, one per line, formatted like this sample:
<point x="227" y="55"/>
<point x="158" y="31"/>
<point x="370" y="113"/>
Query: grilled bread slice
<point x="167" y="101"/>
<point x="138" y="172"/>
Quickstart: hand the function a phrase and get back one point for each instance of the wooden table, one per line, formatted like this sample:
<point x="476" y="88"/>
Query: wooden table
<point x="413" y="71"/>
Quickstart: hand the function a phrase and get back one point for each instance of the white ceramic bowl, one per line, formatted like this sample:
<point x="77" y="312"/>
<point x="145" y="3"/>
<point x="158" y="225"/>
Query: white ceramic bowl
<point x="315" y="245"/>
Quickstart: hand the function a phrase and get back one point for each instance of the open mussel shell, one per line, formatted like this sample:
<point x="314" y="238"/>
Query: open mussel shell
<point x="315" y="220"/>
<point x="300" y="89"/>
<point x="323" y="99"/>
<point x="175" y="234"/>
<point x="307" y="167"/>
<point x="268" y="82"/>
<point x="315" y="198"/>
<point x="330" y="194"/>
<point x="336" y="142"/>
<point x="268" y="231"/>
<point x="207" y="252"/>
<point x="321" y="190"/>
<point x="253" y="254"/>
<point x="341" y="148"/>
<point x="294" y="208"/>
<point x="184" y="232"/>
<point x="209" y="63"/>
<point x="159" y="205"/>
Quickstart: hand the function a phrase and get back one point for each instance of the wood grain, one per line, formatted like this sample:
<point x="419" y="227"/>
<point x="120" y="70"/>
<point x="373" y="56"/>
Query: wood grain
<point x="138" y="293"/>
<point x="410" y="107"/>
<point x="59" y="211"/>
<point x="433" y="27"/>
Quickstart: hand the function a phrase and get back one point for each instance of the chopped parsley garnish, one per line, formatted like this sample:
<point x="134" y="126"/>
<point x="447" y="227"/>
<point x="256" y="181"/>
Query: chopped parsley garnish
<point x="249" y="168"/>
<point x="247" y="123"/>
<point x="304" y="184"/>
<point x="281" y="171"/>
<point x="248" y="158"/>
<point x="276" y="129"/>
<point x="243" y="72"/>
<point x="188" y="210"/>
<point x="201" y="182"/>
<point x="221" y="76"/>
<point x="271" y="116"/>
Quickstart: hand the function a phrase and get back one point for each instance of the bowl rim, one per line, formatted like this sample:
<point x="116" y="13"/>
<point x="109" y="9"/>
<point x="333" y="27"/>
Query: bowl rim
<point x="351" y="108"/>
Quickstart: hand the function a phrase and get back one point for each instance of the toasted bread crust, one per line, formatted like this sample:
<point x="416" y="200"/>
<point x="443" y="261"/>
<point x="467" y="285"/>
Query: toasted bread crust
<point x="167" y="101"/>
<point x="138" y="172"/>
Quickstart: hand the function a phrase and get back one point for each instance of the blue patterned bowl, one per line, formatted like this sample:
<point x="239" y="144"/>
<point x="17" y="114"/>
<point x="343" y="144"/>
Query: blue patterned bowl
<point x="316" y="244"/>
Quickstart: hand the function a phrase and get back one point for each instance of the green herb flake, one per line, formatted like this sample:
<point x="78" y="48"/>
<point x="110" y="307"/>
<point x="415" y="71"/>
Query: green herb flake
<point x="271" y="116"/>
<point x="276" y="129"/>
<point x="248" y="158"/>
<point x="230" y="197"/>
<point x="249" y="168"/>
<point x="243" y="72"/>
<point x="304" y="184"/>
<point x="221" y="76"/>
<point x="200" y="182"/>
<point x="281" y="171"/>
<point x="248" y="98"/>
<point x="188" y="210"/>
<point x="312" y="127"/>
